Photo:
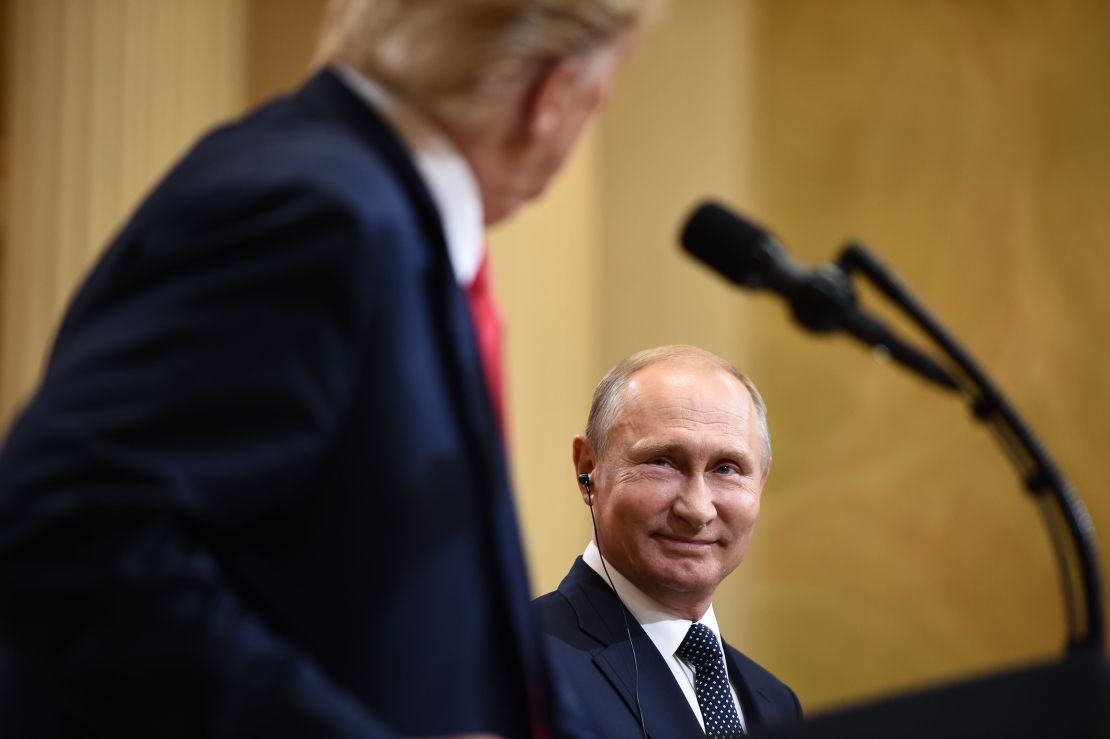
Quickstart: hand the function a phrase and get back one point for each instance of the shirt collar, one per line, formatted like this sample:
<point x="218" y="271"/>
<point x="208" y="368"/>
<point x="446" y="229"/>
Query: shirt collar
<point x="664" y="628"/>
<point x="445" y="172"/>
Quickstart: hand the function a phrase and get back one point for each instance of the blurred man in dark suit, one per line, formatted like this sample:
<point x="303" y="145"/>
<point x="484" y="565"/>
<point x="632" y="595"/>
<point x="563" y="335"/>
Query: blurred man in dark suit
<point x="672" y="465"/>
<point x="261" y="490"/>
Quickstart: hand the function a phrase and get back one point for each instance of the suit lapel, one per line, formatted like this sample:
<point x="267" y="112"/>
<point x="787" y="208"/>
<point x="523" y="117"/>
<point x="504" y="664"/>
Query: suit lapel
<point x="464" y="372"/>
<point x="457" y="331"/>
<point x="759" y="709"/>
<point x="665" y="709"/>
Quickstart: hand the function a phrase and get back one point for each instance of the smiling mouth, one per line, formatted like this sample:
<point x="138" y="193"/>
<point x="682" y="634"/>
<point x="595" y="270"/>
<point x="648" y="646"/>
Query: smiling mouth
<point x="692" y="546"/>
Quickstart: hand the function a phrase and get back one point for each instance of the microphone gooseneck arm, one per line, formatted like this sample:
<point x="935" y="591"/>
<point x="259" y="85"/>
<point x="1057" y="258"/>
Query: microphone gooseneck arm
<point x="1028" y="454"/>
<point x="823" y="300"/>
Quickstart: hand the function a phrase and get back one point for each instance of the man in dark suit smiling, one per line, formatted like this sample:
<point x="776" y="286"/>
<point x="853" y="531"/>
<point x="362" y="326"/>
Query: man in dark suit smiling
<point x="672" y="465"/>
<point x="261" y="489"/>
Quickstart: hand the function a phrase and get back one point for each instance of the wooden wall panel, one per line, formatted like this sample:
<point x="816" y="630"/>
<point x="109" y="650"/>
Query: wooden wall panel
<point x="966" y="143"/>
<point x="102" y="96"/>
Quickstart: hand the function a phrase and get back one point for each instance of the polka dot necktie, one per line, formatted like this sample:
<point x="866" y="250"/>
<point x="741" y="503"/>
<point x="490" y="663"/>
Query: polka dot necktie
<point x="701" y="650"/>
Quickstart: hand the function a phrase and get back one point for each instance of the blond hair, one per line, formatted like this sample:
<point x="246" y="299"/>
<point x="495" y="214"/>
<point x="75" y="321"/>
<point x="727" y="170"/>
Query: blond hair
<point x="457" y="58"/>
<point x="608" y="400"/>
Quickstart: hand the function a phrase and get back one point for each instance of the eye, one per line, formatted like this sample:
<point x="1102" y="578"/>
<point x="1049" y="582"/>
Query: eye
<point x="659" y="462"/>
<point x="726" y="469"/>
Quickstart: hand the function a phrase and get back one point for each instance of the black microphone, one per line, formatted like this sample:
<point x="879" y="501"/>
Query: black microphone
<point x="821" y="299"/>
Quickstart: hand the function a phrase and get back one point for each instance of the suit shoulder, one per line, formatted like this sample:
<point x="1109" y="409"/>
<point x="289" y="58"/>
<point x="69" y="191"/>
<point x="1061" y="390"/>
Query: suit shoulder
<point x="276" y="175"/>
<point x="284" y="147"/>
<point x="558" y="621"/>
<point x="551" y="609"/>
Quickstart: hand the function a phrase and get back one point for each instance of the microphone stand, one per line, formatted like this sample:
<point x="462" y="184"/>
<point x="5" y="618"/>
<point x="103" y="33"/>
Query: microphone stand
<point x="1066" y="517"/>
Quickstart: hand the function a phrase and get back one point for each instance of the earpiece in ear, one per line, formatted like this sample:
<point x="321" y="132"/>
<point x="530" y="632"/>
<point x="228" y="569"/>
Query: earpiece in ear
<point x="585" y="481"/>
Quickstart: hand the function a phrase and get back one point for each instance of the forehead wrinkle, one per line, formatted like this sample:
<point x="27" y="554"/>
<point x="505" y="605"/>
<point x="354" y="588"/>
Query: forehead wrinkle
<point x="732" y="449"/>
<point x="721" y="436"/>
<point x="693" y="418"/>
<point x="648" y="408"/>
<point x="728" y="432"/>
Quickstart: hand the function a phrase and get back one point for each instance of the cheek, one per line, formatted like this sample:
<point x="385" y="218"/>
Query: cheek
<point x="740" y="520"/>
<point x="741" y="512"/>
<point x="638" y="502"/>
<point x="559" y="148"/>
<point x="657" y="480"/>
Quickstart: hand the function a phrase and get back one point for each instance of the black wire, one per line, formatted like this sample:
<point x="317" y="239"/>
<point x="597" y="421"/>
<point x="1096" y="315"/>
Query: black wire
<point x="1030" y="456"/>
<point x="624" y="616"/>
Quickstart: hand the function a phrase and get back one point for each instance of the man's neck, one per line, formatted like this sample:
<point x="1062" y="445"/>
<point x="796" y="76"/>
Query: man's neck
<point x="446" y="171"/>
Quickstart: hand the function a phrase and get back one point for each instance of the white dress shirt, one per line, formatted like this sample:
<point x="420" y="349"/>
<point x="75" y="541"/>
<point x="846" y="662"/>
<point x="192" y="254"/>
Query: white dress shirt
<point x="445" y="172"/>
<point x="665" y="629"/>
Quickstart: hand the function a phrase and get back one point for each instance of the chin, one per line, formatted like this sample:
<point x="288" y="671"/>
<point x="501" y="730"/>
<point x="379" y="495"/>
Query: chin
<point x="505" y="206"/>
<point x="681" y="580"/>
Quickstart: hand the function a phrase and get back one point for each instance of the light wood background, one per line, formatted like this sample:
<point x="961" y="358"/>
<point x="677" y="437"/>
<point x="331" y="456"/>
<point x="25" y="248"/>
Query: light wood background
<point x="965" y="141"/>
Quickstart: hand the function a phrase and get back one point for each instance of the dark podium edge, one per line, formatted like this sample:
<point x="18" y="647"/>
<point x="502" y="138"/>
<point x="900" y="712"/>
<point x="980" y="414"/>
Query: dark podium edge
<point x="1065" y="698"/>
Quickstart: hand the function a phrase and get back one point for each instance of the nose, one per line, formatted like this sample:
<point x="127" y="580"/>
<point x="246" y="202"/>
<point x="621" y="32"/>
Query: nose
<point x="694" y="504"/>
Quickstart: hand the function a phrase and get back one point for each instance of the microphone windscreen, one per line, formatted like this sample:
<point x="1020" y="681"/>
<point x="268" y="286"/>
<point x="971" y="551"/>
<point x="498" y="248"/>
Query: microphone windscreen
<point x="735" y="248"/>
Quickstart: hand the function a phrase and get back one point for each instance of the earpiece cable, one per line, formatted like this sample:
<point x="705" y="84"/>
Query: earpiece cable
<point x="624" y="617"/>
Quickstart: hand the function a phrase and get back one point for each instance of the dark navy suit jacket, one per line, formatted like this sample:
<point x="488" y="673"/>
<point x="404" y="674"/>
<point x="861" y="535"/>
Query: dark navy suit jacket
<point x="585" y="636"/>
<point x="260" y="491"/>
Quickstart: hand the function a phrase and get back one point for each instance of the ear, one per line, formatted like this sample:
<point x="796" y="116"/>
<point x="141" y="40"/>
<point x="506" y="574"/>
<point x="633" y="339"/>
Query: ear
<point x="585" y="459"/>
<point x="551" y="96"/>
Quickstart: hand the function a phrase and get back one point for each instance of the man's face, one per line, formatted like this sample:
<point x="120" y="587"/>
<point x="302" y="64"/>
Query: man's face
<point x="677" y="489"/>
<point x="541" y="134"/>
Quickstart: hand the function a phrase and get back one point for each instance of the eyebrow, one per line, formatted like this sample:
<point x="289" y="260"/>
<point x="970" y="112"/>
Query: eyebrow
<point x="671" y="449"/>
<point x="655" y="448"/>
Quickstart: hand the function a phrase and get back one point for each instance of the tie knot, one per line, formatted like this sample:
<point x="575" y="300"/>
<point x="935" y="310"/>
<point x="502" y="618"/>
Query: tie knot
<point x="699" y="647"/>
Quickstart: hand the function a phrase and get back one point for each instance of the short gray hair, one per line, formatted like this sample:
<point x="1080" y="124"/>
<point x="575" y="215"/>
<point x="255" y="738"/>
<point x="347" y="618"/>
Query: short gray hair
<point x="609" y="396"/>
<point x="457" y="57"/>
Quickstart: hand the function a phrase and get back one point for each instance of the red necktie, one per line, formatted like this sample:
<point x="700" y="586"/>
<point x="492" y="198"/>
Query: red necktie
<point x="487" y="325"/>
<point x="486" y="315"/>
